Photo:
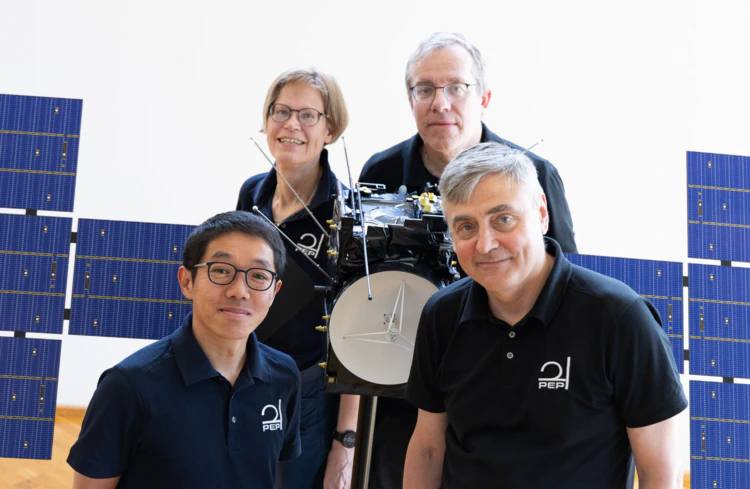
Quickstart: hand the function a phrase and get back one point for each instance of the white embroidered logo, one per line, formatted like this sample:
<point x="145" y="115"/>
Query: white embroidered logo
<point x="313" y="249"/>
<point x="557" y="382"/>
<point x="275" y="423"/>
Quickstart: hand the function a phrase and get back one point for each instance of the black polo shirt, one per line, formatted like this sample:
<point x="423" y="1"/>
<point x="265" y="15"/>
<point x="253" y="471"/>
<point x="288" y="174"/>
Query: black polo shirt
<point x="545" y="403"/>
<point x="298" y="337"/>
<point x="164" y="417"/>
<point x="402" y="165"/>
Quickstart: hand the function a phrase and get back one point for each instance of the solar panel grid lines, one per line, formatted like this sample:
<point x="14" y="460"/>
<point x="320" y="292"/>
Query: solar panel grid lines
<point x="125" y="279"/>
<point x="34" y="256"/>
<point x="719" y="329"/>
<point x="720" y="435"/>
<point x="718" y="206"/>
<point x="29" y="370"/>
<point x="39" y="142"/>
<point x="660" y="282"/>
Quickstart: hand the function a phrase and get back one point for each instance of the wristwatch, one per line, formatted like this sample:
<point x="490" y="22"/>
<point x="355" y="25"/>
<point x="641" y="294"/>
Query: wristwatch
<point x="347" y="438"/>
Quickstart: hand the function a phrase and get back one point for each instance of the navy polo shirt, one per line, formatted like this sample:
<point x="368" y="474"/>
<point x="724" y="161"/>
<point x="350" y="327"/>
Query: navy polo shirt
<point x="402" y="165"/>
<point x="544" y="403"/>
<point x="164" y="417"/>
<point x="298" y="336"/>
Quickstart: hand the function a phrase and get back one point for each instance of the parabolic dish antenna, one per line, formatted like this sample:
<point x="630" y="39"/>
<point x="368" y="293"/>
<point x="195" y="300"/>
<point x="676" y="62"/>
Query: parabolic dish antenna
<point x="374" y="339"/>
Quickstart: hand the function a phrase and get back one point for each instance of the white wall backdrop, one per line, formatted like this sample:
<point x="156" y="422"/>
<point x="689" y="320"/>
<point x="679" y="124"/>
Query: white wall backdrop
<point x="172" y="90"/>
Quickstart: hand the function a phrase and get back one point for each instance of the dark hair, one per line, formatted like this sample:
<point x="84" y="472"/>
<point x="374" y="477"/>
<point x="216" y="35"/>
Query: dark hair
<point x="233" y="222"/>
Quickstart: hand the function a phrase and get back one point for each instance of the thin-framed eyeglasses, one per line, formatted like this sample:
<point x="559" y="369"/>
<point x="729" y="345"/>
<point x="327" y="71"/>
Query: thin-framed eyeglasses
<point x="455" y="92"/>
<point x="221" y="273"/>
<point x="306" y="117"/>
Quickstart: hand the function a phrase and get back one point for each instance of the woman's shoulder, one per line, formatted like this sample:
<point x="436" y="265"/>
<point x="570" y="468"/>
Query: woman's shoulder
<point x="249" y="190"/>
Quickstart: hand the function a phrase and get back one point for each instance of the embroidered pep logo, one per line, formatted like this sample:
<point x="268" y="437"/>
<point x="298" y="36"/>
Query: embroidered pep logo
<point x="557" y="382"/>
<point x="274" y="423"/>
<point x="310" y="249"/>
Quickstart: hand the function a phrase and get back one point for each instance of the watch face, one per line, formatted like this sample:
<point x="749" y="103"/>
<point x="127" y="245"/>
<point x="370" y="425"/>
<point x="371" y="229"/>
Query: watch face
<point x="349" y="439"/>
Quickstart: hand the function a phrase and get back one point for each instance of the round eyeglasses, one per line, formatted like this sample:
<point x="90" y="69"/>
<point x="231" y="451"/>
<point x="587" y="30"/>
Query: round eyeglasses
<point x="306" y="117"/>
<point x="454" y="92"/>
<point x="222" y="273"/>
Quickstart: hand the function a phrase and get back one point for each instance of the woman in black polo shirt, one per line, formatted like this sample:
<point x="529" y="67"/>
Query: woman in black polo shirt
<point x="304" y="111"/>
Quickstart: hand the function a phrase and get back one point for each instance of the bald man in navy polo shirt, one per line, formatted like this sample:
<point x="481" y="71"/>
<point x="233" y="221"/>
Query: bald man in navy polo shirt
<point x="533" y="372"/>
<point x="207" y="406"/>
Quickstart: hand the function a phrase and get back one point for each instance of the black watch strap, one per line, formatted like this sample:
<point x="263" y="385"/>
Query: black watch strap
<point x="347" y="438"/>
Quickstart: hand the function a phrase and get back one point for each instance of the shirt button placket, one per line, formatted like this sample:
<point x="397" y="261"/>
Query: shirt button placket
<point x="234" y="429"/>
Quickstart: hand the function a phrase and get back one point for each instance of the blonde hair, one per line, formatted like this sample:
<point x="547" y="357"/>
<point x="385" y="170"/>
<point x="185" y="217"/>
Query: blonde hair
<point x="334" y="105"/>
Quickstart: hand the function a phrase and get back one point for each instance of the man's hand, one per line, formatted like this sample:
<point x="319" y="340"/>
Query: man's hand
<point x="339" y="467"/>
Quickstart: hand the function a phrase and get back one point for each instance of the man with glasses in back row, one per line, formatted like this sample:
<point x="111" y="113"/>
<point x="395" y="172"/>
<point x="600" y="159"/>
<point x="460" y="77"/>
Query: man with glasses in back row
<point x="207" y="406"/>
<point x="448" y="93"/>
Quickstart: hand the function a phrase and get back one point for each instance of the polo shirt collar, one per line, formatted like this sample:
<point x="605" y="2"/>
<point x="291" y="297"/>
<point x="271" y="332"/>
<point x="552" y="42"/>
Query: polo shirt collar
<point x="552" y="294"/>
<point x="194" y="366"/>
<point x="477" y="306"/>
<point x="263" y="194"/>
<point x="415" y="173"/>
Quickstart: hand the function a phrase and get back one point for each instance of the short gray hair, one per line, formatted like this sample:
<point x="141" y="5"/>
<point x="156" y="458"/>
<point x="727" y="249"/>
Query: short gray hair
<point x="440" y="40"/>
<point x="465" y="171"/>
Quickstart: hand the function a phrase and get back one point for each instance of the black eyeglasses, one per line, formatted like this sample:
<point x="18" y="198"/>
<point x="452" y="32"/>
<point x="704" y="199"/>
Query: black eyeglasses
<point x="222" y="273"/>
<point x="455" y="92"/>
<point x="306" y="117"/>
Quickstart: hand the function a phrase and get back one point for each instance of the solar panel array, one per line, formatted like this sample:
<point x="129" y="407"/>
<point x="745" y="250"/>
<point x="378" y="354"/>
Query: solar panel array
<point x="719" y="319"/>
<point x="34" y="261"/>
<point x="125" y="280"/>
<point x="658" y="281"/>
<point x="28" y="392"/>
<point x="718" y="206"/>
<point x="124" y="273"/>
<point x="38" y="152"/>
<point x="720" y="435"/>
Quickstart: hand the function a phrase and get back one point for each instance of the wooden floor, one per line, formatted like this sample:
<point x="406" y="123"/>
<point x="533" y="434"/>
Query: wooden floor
<point x="57" y="474"/>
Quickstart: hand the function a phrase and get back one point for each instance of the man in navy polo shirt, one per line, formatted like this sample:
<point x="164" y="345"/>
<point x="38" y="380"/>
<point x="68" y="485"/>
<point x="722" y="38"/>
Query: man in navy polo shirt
<point x="448" y="93"/>
<point x="533" y="372"/>
<point x="207" y="406"/>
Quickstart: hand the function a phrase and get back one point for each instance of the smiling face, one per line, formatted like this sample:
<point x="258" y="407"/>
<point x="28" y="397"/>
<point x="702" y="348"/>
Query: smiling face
<point x="445" y="126"/>
<point x="498" y="235"/>
<point x="229" y="312"/>
<point x="291" y="143"/>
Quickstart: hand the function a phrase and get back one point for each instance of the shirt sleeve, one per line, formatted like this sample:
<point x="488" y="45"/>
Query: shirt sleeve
<point x="423" y="387"/>
<point x="560" y="220"/>
<point x="292" y="442"/>
<point x="110" y="430"/>
<point x="642" y="368"/>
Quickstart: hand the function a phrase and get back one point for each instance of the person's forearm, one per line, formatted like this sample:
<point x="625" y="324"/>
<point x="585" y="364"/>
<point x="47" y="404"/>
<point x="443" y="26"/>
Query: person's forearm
<point x="665" y="481"/>
<point x="348" y="413"/>
<point x="423" y="468"/>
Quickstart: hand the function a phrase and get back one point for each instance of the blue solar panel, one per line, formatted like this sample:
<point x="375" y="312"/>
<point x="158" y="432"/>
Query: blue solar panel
<point x="34" y="254"/>
<point x="39" y="139"/>
<point x="719" y="435"/>
<point x="718" y="206"/>
<point x="658" y="281"/>
<point x="125" y="279"/>
<point x="719" y="321"/>
<point x="28" y="395"/>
